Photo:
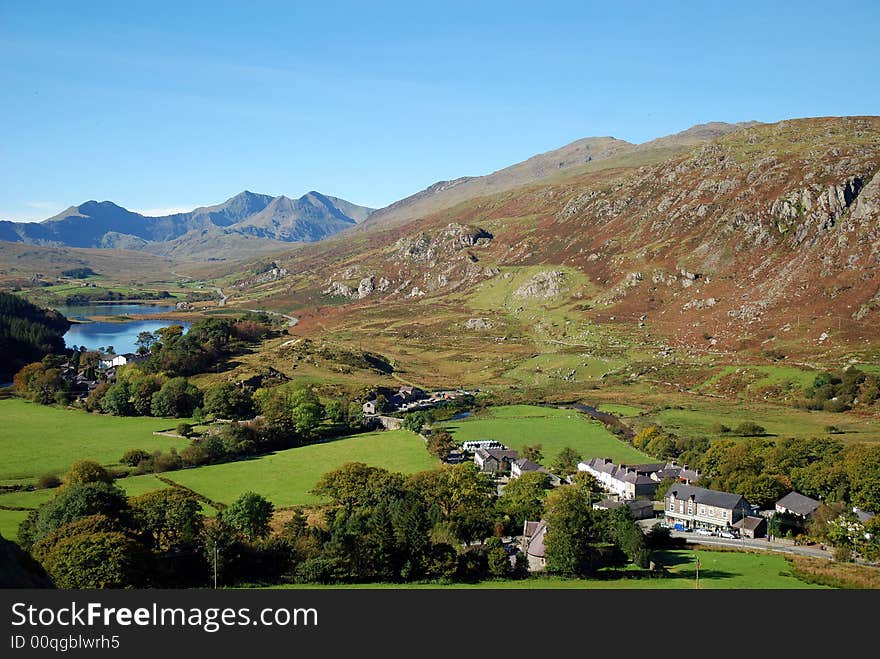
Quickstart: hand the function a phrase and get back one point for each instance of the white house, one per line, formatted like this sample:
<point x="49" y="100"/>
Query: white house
<point x="109" y="361"/>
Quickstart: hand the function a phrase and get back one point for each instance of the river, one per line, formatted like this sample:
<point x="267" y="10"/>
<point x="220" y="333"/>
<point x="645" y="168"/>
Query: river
<point x="121" y="335"/>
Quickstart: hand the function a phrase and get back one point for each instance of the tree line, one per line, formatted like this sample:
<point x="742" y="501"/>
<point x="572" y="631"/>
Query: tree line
<point x="441" y="525"/>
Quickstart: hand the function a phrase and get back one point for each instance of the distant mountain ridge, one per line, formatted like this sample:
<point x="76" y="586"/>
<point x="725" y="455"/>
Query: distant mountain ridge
<point x="104" y="224"/>
<point x="564" y="161"/>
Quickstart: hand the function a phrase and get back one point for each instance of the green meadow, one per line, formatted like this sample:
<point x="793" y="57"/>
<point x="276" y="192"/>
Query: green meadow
<point x="38" y="439"/>
<point x="552" y="428"/>
<point x="702" y="416"/>
<point x="285" y="477"/>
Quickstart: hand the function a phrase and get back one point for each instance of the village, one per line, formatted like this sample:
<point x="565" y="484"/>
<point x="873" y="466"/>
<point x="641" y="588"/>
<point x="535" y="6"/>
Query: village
<point x="662" y="494"/>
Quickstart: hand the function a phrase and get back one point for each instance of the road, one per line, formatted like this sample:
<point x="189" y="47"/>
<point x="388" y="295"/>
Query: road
<point x="780" y="545"/>
<point x="291" y="321"/>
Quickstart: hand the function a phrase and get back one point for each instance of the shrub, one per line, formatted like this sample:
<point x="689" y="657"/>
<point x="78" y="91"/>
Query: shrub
<point x="86" y="471"/>
<point x="48" y="481"/>
<point x="134" y="457"/>
<point x="749" y="429"/>
<point x="184" y="429"/>
<point x="843" y="554"/>
<point x="167" y="461"/>
<point x="835" y="405"/>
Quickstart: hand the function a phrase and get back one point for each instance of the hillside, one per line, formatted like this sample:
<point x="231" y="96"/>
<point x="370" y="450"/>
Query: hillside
<point x="229" y="226"/>
<point x="570" y="159"/>
<point x="763" y="240"/>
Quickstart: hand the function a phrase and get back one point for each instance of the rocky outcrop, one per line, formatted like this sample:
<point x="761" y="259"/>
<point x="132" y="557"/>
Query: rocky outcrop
<point x="542" y="286"/>
<point x="428" y="248"/>
<point x="365" y="287"/>
<point x="338" y="289"/>
<point x="478" y="324"/>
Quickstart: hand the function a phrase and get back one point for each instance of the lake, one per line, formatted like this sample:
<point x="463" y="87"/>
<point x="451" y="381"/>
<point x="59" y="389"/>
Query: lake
<point x="120" y="335"/>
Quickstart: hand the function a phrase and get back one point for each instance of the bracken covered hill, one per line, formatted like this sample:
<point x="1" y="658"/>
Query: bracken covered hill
<point x="767" y="236"/>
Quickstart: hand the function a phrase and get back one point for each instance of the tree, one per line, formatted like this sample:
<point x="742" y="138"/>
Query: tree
<point x="626" y="534"/>
<point x="97" y="560"/>
<point x="663" y="488"/>
<point x="276" y="409"/>
<point x="134" y="456"/>
<point x="355" y="414"/>
<point x="381" y="403"/>
<point x="176" y="398"/>
<point x="72" y="502"/>
<point x="250" y="515"/>
<point x="566" y="463"/>
<point x="588" y="485"/>
<point x="306" y="411"/>
<point x="86" y="471"/>
<point x="355" y="484"/>
<point x="168" y="518"/>
<point x="498" y="558"/>
<point x="141" y="390"/>
<point x="441" y="444"/>
<point x="533" y="452"/>
<point x="39" y="383"/>
<point x="523" y="498"/>
<point x="463" y="497"/>
<point x="416" y="421"/>
<point x="573" y="531"/>
<point x="117" y="400"/>
<point x="144" y="342"/>
<point x="862" y="464"/>
<point x="228" y="401"/>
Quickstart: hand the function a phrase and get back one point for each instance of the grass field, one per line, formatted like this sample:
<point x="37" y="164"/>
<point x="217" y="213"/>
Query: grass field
<point x="36" y="439"/>
<point x="701" y="416"/>
<point x="286" y="477"/>
<point x="554" y="429"/>
<point x="9" y="521"/>
<point x="718" y="570"/>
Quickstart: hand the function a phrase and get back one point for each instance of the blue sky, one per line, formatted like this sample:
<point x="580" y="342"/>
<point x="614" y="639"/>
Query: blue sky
<point x="170" y="105"/>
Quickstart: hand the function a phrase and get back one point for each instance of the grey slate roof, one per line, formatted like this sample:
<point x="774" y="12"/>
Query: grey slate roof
<point x="527" y="465"/>
<point x="749" y="523"/>
<point x="621" y="472"/>
<point x="724" y="500"/>
<point x="798" y="503"/>
<point x="536" y="543"/>
<point x="497" y="453"/>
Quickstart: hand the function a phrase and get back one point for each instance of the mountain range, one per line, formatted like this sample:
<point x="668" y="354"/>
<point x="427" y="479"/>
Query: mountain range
<point x="250" y="224"/>
<point x="247" y="217"/>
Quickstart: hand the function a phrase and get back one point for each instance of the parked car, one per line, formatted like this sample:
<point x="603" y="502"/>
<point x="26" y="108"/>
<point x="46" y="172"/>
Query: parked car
<point x="704" y="532"/>
<point x="727" y="534"/>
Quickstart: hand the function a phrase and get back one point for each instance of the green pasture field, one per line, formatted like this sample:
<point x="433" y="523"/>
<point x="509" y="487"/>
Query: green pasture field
<point x="286" y="477"/>
<point x="38" y="439"/>
<point x="9" y="522"/>
<point x="701" y="416"/>
<point x="552" y="428"/>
